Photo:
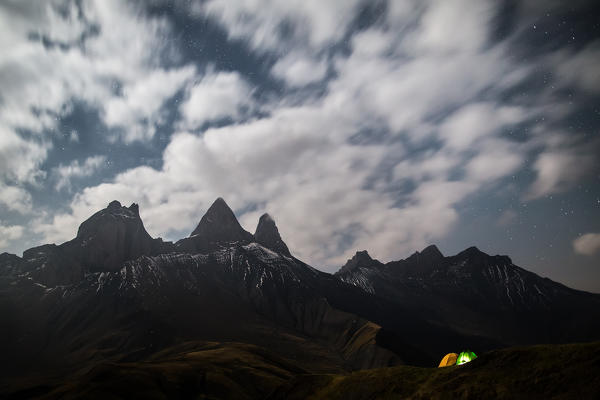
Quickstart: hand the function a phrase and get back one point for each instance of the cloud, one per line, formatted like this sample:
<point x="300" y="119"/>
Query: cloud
<point x="137" y="110"/>
<point x="560" y="169"/>
<point x="474" y="122"/>
<point x="496" y="159"/>
<point x="20" y="158"/>
<point x="65" y="173"/>
<point x="15" y="199"/>
<point x="274" y="25"/>
<point x="300" y="70"/>
<point x="587" y="244"/>
<point x="450" y="26"/>
<point x="61" y="52"/>
<point x="216" y="96"/>
<point x="579" y="69"/>
<point x="9" y="234"/>
<point x="411" y="87"/>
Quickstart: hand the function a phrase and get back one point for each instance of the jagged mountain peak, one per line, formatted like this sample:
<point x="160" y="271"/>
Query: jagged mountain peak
<point x="432" y="251"/>
<point x="111" y="236"/>
<point x="219" y="216"/>
<point x="360" y="259"/>
<point x="113" y="205"/>
<point x="362" y="255"/>
<point x="114" y="213"/>
<point x="134" y="207"/>
<point x="268" y="235"/>
<point x="266" y="217"/>
<point x="217" y="226"/>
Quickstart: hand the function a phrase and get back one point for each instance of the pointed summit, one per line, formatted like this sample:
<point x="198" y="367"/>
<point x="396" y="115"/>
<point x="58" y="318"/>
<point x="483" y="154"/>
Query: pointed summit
<point x="267" y="235"/>
<point x="431" y="252"/>
<point x="218" y="226"/>
<point x="360" y="259"/>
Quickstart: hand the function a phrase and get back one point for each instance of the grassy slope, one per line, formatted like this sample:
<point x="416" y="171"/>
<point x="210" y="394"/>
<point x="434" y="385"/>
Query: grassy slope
<point x="241" y="371"/>
<point x="207" y="370"/>
<point x="537" y="372"/>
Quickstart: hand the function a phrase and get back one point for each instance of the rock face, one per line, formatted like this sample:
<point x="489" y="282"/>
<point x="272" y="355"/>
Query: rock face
<point x="267" y="235"/>
<point x="217" y="227"/>
<point x="110" y="237"/>
<point x="52" y="265"/>
<point x="9" y="264"/>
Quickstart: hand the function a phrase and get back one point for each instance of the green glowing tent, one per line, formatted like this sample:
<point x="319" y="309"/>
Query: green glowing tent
<point x="465" y="357"/>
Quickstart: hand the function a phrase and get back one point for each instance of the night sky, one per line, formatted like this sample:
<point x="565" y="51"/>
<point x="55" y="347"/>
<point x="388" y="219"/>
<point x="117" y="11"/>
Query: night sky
<point x="375" y="125"/>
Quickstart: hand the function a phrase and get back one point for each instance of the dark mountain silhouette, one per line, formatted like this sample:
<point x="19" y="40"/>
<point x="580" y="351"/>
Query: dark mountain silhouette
<point x="103" y="242"/>
<point x="217" y="227"/>
<point x="114" y="294"/>
<point x="267" y="235"/>
<point x="475" y="293"/>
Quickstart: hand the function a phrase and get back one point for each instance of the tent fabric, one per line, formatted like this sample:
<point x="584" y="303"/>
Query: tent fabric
<point x="448" y="360"/>
<point x="465" y="357"/>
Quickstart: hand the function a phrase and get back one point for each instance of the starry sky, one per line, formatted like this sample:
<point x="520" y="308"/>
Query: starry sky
<point x="378" y="125"/>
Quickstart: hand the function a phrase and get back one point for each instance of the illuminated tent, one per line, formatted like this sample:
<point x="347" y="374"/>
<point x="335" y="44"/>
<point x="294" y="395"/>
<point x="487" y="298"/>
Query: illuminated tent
<point x="448" y="360"/>
<point x="465" y="357"/>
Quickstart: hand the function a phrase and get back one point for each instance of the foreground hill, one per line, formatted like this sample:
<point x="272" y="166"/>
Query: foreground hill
<point x="239" y="371"/>
<point x="568" y="371"/>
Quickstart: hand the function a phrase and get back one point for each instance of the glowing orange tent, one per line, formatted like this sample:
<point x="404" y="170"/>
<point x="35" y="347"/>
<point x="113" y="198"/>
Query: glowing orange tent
<point x="448" y="360"/>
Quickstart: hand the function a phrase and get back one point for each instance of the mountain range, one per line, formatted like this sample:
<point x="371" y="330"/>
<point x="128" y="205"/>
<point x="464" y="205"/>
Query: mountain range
<point x="114" y="296"/>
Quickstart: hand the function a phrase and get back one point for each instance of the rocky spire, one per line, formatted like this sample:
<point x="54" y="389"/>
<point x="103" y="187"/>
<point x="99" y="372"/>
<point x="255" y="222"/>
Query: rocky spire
<point x="267" y="235"/>
<point x="218" y="226"/>
<point x="431" y="252"/>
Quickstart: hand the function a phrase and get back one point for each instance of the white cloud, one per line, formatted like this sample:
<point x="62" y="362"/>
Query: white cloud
<point x="74" y="136"/>
<point x="19" y="158"/>
<point x="137" y="110"/>
<point x="15" y="198"/>
<point x="559" y="169"/>
<point x="450" y="26"/>
<point x="65" y="173"/>
<point x="496" y="159"/>
<point x="45" y="65"/>
<point x="476" y="121"/>
<point x="298" y="70"/>
<point x="587" y="244"/>
<point x="9" y="234"/>
<point x="408" y="90"/>
<point x="216" y="96"/>
<point x="311" y="23"/>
